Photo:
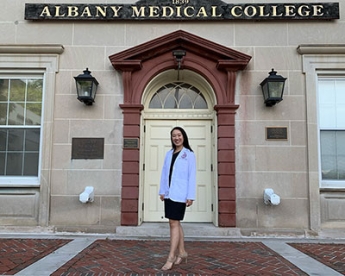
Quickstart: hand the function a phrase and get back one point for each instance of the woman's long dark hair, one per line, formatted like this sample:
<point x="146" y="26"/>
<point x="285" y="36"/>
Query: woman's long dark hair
<point x="185" y="138"/>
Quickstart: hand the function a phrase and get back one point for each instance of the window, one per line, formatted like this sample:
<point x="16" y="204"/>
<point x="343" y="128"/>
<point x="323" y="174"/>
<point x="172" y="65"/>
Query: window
<point x="332" y="130"/>
<point x="20" y="125"/>
<point x="178" y="95"/>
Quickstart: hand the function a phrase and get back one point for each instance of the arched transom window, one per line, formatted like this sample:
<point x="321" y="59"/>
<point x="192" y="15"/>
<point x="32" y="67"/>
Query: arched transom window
<point x="178" y="95"/>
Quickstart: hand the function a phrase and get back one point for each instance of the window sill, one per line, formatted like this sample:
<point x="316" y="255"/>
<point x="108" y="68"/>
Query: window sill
<point x="19" y="182"/>
<point x="332" y="190"/>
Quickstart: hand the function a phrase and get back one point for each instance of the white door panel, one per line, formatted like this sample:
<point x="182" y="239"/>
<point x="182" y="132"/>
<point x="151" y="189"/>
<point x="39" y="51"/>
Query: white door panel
<point x="157" y="143"/>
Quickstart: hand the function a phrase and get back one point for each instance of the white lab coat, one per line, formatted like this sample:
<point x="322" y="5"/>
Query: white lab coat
<point x="183" y="182"/>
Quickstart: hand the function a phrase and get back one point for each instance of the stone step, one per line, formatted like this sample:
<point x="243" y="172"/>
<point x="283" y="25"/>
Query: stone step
<point x="192" y="230"/>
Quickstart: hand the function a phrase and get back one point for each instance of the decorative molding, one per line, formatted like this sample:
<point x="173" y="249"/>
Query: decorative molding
<point x="321" y="49"/>
<point x="218" y="65"/>
<point x="177" y="115"/>
<point x="31" y="49"/>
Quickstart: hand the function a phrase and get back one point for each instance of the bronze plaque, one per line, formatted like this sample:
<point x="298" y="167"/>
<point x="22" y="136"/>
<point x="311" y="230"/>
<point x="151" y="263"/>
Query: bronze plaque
<point x="276" y="133"/>
<point x="87" y="148"/>
<point x="131" y="143"/>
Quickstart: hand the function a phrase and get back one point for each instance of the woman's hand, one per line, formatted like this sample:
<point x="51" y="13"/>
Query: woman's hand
<point x="189" y="202"/>
<point x="161" y="197"/>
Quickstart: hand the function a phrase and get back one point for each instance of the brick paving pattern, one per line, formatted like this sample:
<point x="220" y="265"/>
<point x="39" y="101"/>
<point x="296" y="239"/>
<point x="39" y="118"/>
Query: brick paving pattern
<point x="126" y="257"/>
<point x="331" y="255"/>
<point x="17" y="254"/>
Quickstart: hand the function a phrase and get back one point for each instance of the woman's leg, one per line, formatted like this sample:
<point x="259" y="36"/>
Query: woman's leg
<point x="174" y="243"/>
<point x="174" y="236"/>
<point x="182" y="254"/>
<point x="180" y="246"/>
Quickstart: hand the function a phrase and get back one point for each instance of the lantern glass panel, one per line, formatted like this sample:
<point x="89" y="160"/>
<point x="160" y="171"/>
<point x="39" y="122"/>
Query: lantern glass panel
<point x="265" y="91"/>
<point x="93" y="91"/>
<point x="84" y="88"/>
<point x="275" y="89"/>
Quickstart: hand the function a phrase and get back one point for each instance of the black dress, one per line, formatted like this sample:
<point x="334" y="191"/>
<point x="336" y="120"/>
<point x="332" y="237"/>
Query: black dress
<point x="174" y="210"/>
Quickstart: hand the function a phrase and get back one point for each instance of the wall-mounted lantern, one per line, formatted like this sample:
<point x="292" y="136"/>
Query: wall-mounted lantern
<point x="273" y="88"/>
<point x="86" y="87"/>
<point x="179" y="54"/>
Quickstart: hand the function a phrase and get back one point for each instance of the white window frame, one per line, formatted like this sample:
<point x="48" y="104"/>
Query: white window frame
<point x="30" y="180"/>
<point x="315" y="60"/>
<point x="177" y="101"/>
<point x="187" y="76"/>
<point x="35" y="59"/>
<point x="332" y="75"/>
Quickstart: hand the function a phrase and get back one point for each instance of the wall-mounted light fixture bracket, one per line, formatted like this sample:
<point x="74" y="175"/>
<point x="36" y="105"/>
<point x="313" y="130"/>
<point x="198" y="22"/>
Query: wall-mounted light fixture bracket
<point x="179" y="54"/>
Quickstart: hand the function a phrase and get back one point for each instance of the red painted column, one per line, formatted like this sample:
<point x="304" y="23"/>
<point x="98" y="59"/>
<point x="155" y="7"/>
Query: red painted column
<point x="226" y="165"/>
<point x="130" y="166"/>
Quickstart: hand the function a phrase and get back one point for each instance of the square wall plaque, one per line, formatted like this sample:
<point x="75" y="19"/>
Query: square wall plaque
<point x="87" y="148"/>
<point x="276" y="133"/>
<point x="131" y="143"/>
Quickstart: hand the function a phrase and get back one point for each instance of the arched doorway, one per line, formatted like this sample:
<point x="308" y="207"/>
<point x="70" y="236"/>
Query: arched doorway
<point x="178" y="99"/>
<point x="216" y="64"/>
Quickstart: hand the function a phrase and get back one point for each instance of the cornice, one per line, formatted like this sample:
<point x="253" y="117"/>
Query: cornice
<point x="31" y="49"/>
<point x="320" y="49"/>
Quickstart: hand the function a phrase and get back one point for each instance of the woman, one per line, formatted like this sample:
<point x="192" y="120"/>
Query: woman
<point x="177" y="189"/>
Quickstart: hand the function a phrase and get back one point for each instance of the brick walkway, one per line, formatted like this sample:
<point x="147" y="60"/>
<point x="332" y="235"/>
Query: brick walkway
<point x="332" y="255"/>
<point x="105" y="257"/>
<point x="17" y="254"/>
